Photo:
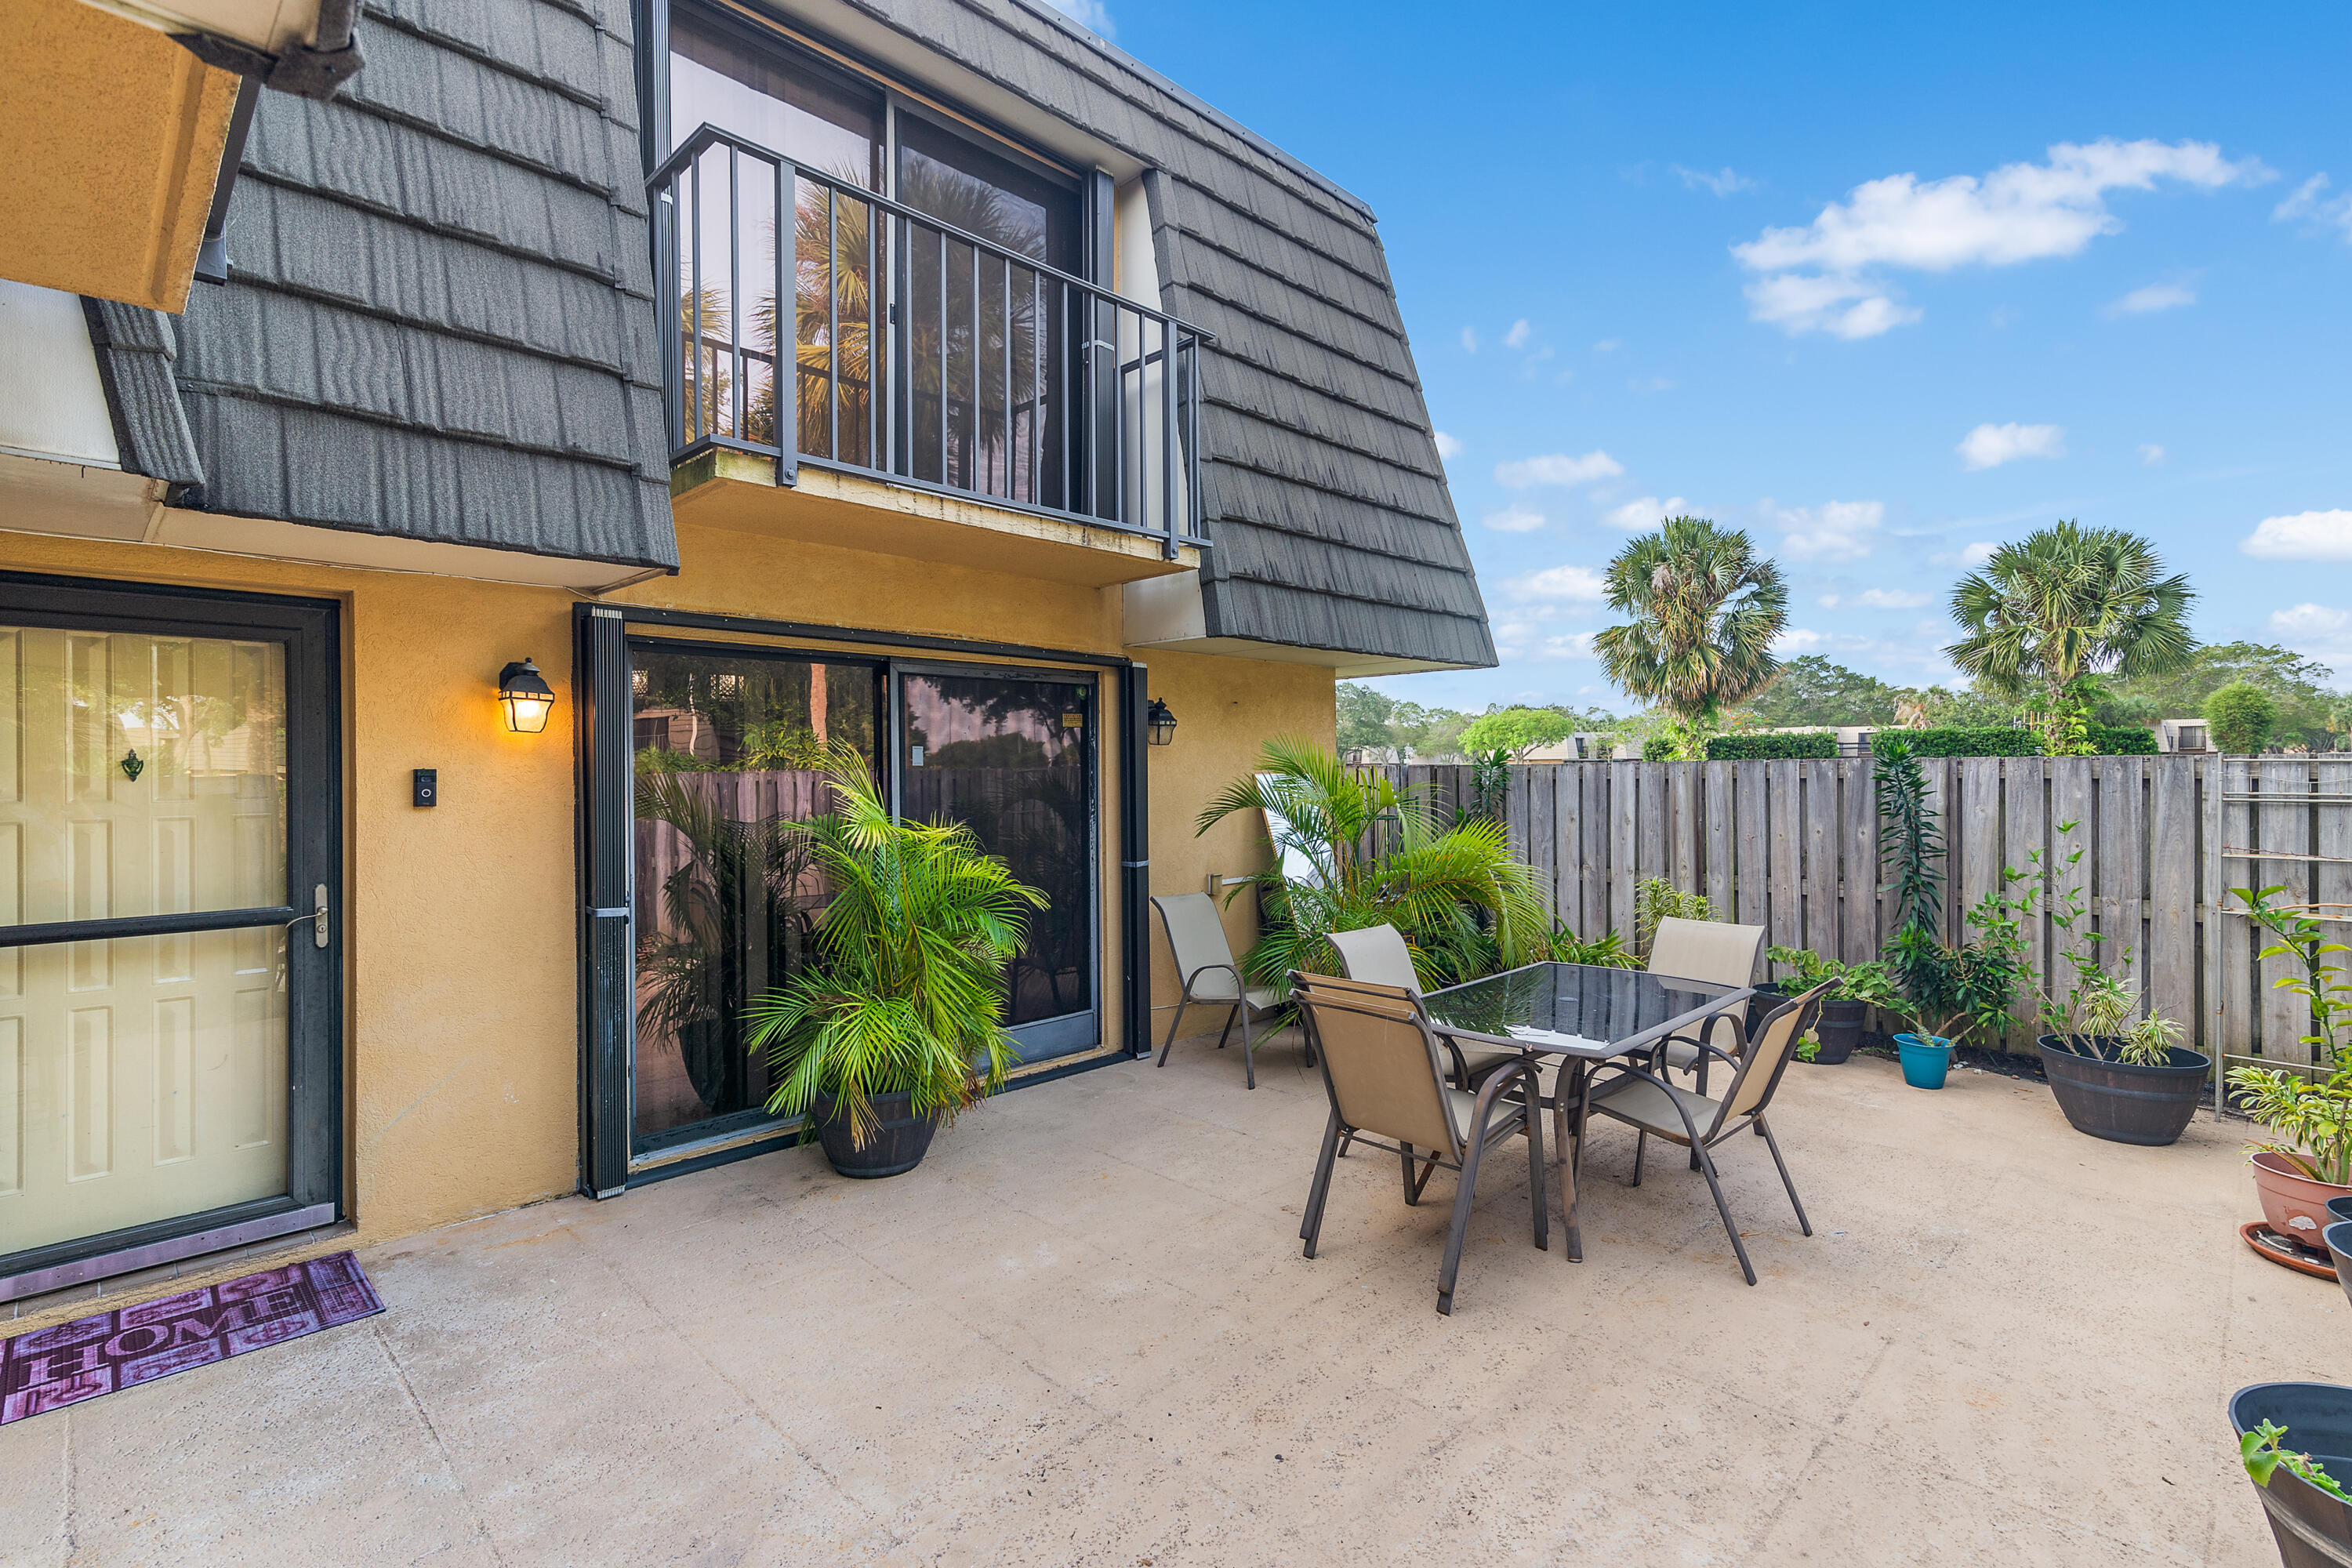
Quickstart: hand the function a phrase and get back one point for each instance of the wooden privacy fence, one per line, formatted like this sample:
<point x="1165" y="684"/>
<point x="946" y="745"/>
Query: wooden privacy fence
<point x="1793" y="847"/>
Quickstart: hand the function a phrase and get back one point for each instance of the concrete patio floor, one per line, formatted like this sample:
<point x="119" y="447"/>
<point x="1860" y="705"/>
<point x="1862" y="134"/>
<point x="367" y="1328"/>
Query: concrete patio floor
<point x="1082" y="1332"/>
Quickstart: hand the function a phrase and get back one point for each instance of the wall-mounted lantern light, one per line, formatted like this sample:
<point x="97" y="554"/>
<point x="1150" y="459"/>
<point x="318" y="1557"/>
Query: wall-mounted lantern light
<point x="526" y="698"/>
<point x="1162" y="722"/>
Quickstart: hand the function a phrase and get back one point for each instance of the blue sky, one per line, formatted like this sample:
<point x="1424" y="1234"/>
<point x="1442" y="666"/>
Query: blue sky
<point x="1880" y="285"/>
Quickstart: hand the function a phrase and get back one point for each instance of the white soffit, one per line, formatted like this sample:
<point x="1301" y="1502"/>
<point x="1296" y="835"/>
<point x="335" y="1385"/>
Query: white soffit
<point x="52" y="403"/>
<point x="267" y="25"/>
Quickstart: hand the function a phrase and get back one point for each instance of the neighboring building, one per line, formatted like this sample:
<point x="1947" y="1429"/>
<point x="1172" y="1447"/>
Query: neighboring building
<point x="2182" y="735"/>
<point x="1095" y="399"/>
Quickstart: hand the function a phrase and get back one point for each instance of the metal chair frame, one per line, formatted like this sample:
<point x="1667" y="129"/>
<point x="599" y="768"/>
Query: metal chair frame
<point x="1725" y="1122"/>
<point x="1241" y="1007"/>
<point x="1463" y="1154"/>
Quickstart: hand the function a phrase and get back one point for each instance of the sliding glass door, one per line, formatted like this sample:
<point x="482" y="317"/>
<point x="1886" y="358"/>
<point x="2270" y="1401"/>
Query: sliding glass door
<point x="1011" y="753"/>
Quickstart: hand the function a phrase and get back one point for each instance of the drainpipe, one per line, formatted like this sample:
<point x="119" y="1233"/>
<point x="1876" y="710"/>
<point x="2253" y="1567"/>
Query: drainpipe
<point x="317" y="69"/>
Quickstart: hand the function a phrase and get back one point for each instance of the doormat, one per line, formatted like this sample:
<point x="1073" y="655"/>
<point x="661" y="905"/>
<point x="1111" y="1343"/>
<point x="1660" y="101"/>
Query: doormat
<point x="50" y="1368"/>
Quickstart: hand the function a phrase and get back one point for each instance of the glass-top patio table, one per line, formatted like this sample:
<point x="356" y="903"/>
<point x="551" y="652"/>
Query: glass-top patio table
<point x="1578" y="1014"/>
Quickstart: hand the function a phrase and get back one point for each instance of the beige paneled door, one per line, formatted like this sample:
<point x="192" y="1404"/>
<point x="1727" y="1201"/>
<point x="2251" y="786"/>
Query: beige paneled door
<point x="162" y="952"/>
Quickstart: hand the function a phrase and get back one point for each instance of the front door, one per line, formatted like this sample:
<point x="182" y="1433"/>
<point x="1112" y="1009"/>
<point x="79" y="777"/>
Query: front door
<point x="1011" y="753"/>
<point x="169" y="933"/>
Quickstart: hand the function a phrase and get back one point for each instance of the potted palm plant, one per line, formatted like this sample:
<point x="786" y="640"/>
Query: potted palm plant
<point x="1353" y="850"/>
<point x="2310" y="1159"/>
<point x="897" y="1022"/>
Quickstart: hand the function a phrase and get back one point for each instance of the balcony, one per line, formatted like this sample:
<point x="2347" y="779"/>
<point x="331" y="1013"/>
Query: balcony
<point x="948" y="399"/>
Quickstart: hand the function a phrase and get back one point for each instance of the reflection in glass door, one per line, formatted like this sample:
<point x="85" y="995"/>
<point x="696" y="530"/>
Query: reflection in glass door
<point x="1010" y="754"/>
<point x="150" y="822"/>
<point x="731" y="749"/>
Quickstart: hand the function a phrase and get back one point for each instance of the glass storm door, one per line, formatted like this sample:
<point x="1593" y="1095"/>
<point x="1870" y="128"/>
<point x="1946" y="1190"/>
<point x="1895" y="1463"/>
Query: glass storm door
<point x="732" y="748"/>
<point x="1012" y="755"/>
<point x="167" y="1051"/>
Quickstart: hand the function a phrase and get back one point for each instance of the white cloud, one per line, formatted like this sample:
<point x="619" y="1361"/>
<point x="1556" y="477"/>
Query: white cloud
<point x="2308" y="205"/>
<point x="1608" y="346"/>
<point x="1878" y="599"/>
<point x="2305" y="536"/>
<point x="1990" y="446"/>
<point x="1516" y="338"/>
<point x="2154" y="296"/>
<point x="2150" y="454"/>
<point x="1556" y="468"/>
<point x="1091" y="14"/>
<point x="1514" y="519"/>
<point x="1726" y="182"/>
<point x="1835" y="531"/>
<point x="1972" y="556"/>
<point x="1448" y="448"/>
<point x="1470" y="339"/>
<point x="1574" y="584"/>
<point x="1818" y="277"/>
<point x="1647" y="512"/>
<point x="2318" y="632"/>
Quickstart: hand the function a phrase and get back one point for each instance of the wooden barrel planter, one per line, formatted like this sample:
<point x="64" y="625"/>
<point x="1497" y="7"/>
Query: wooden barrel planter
<point x="2121" y="1102"/>
<point x="2311" y="1528"/>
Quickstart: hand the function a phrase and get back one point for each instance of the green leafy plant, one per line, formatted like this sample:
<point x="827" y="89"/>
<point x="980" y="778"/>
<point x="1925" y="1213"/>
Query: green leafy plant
<point x="1732" y="748"/>
<point x="1944" y="991"/>
<point x="1608" y="951"/>
<point x="906" y="991"/>
<point x="2241" y="717"/>
<point x="1867" y="982"/>
<point x="2263" y="1454"/>
<point x="1809" y="1046"/>
<point x="2314" y="1120"/>
<point x="1490" y="784"/>
<point x="1374" y="853"/>
<point x="2093" y="1015"/>
<point x="1655" y="899"/>
<point x="1516" y="732"/>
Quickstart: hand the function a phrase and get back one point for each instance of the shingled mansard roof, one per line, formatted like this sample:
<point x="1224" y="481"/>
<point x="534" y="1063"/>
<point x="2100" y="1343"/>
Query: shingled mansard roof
<point x="438" y="323"/>
<point x="1321" y="485"/>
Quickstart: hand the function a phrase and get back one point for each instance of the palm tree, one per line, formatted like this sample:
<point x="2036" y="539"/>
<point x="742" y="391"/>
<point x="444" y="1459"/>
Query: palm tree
<point x="2063" y="604"/>
<point x="1364" y="853"/>
<point x="1706" y="608"/>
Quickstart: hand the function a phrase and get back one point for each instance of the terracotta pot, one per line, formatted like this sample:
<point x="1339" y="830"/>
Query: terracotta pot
<point x="2292" y="1203"/>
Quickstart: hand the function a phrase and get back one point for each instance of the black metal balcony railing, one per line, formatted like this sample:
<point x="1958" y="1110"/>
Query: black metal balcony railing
<point x="919" y="351"/>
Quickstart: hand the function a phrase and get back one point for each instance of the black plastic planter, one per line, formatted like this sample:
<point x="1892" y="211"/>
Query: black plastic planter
<point x="2311" y="1528"/>
<point x="899" y="1147"/>
<point x="2123" y="1103"/>
<point x="1839" y="1029"/>
<point x="1768" y="997"/>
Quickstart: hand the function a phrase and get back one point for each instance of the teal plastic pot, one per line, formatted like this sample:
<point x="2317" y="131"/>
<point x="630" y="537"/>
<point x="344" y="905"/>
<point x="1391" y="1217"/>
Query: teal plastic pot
<point x="1925" y="1062"/>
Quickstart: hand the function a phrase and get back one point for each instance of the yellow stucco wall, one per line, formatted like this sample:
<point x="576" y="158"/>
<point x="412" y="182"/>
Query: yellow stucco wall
<point x="461" y="1034"/>
<point x="108" y="153"/>
<point x="1226" y="708"/>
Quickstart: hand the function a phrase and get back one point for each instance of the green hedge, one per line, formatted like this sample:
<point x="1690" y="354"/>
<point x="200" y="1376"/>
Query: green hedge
<point x="1657" y="748"/>
<point x="1748" y="748"/>
<point x="2001" y="741"/>
<point x="1990" y="741"/>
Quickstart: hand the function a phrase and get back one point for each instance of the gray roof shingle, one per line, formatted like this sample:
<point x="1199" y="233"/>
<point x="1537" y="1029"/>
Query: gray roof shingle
<point x="438" y="323"/>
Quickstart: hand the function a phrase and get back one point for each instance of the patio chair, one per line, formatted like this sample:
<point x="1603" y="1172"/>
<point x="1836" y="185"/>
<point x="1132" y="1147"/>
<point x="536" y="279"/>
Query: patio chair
<point x="1378" y="954"/>
<point x="1205" y="959"/>
<point x="1652" y="1107"/>
<point x="1720" y="955"/>
<point x="1386" y="1080"/>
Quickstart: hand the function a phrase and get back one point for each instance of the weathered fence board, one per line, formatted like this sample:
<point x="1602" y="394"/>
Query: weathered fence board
<point x="1793" y="847"/>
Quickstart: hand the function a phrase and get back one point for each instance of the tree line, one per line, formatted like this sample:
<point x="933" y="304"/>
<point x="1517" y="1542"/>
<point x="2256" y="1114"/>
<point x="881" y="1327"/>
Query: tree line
<point x="2069" y="629"/>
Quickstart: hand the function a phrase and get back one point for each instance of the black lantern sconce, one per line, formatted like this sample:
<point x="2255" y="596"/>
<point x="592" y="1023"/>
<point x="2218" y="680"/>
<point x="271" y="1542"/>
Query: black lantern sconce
<point x="526" y="696"/>
<point x="1162" y="722"/>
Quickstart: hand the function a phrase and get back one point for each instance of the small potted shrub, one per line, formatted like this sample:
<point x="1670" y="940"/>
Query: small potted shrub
<point x="2129" y="1082"/>
<point x="898" y="1023"/>
<point x="2310" y="1160"/>
<point x="1855" y="988"/>
<point x="2310" y="1514"/>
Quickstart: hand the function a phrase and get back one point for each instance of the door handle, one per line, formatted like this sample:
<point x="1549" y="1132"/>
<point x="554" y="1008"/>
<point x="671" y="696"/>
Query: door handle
<point x="317" y="919"/>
